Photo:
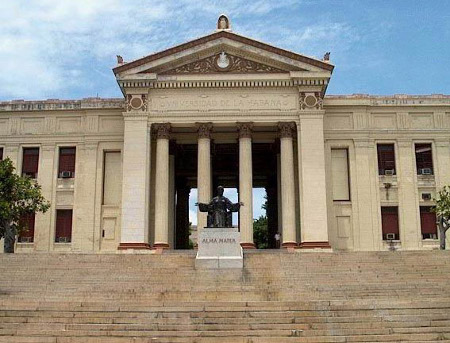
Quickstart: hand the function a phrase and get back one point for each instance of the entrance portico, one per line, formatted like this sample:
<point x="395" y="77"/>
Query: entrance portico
<point x="223" y="90"/>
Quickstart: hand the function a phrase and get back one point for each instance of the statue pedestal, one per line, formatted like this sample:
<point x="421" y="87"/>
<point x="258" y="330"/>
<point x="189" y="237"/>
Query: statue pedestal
<point x="219" y="248"/>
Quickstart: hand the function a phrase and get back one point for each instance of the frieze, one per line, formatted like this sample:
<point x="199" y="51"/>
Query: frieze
<point x="231" y="102"/>
<point x="223" y="62"/>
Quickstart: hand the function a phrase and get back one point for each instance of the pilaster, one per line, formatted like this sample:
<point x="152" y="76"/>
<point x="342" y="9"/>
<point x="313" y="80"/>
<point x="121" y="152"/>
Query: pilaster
<point x="135" y="187"/>
<point x="84" y="197"/>
<point x="409" y="219"/>
<point x="367" y="227"/>
<point x="313" y="198"/>
<point x="43" y="231"/>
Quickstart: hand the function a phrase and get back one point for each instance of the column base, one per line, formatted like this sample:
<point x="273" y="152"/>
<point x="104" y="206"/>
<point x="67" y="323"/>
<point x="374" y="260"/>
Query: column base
<point x="289" y="245"/>
<point x="248" y="245"/>
<point x="162" y="246"/>
<point x="315" y="245"/>
<point x="125" y="246"/>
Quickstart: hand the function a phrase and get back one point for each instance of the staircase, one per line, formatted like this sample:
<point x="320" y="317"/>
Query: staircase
<point x="278" y="297"/>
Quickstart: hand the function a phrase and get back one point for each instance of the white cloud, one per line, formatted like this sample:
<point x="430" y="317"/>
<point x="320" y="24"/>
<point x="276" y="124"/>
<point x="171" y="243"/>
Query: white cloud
<point x="52" y="48"/>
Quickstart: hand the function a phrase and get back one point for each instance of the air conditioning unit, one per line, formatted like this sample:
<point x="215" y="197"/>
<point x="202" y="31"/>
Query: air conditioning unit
<point x="389" y="172"/>
<point x="63" y="240"/>
<point x="391" y="236"/>
<point x="426" y="171"/>
<point x="426" y="196"/>
<point x="29" y="174"/>
<point x="66" y="174"/>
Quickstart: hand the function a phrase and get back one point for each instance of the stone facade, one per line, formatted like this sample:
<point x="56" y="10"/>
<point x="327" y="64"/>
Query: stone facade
<point x="202" y="94"/>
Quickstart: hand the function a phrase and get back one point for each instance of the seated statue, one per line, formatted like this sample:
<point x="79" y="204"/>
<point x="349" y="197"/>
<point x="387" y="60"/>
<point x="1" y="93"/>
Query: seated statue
<point x="219" y="210"/>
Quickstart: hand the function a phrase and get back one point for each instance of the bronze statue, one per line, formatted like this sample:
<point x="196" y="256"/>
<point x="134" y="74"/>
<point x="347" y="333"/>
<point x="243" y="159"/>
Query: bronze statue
<point x="219" y="210"/>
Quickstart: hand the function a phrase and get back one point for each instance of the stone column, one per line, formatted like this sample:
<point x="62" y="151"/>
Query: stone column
<point x="203" y="170"/>
<point x="313" y="197"/>
<point x="135" y="187"/>
<point x="246" y="185"/>
<point x="287" y="185"/>
<point x="162" y="187"/>
<point x="408" y="196"/>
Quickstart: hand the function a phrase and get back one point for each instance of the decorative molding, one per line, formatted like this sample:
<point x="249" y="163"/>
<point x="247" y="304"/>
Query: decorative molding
<point x="204" y="130"/>
<point x="315" y="245"/>
<point x="223" y="62"/>
<point x="310" y="101"/>
<point x="162" y="130"/>
<point x="286" y="129"/>
<point x="92" y="123"/>
<point x="137" y="102"/>
<point x="125" y="246"/>
<point x="245" y="130"/>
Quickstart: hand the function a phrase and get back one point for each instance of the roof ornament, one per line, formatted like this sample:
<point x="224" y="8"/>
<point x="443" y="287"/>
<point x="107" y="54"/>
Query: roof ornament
<point x="119" y="59"/>
<point x="326" y="57"/>
<point x="223" y="23"/>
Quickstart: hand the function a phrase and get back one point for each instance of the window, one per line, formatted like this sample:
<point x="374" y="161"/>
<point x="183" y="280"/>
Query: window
<point x="63" y="226"/>
<point x="66" y="162"/>
<point x="30" y="162"/>
<point x="386" y="159"/>
<point x="424" y="159"/>
<point x="340" y="176"/>
<point x="1" y="154"/>
<point x="389" y="223"/>
<point x="428" y="222"/>
<point x="27" y="222"/>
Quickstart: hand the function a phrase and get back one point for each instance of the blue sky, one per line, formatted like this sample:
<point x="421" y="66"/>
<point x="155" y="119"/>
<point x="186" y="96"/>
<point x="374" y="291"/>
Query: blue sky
<point x="65" y="48"/>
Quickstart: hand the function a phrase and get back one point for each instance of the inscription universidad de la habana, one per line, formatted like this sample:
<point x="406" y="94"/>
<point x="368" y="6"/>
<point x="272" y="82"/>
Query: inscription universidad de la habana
<point x="253" y="102"/>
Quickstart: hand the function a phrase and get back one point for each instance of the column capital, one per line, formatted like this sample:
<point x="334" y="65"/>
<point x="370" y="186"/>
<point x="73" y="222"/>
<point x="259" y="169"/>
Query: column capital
<point x="245" y="130"/>
<point x="204" y="130"/>
<point x="286" y="129"/>
<point x="162" y="130"/>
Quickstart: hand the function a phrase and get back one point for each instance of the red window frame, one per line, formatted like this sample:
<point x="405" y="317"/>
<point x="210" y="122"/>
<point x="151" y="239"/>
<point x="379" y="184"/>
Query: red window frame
<point x="27" y="221"/>
<point x="67" y="156"/>
<point x="30" y="162"/>
<point x="63" y="232"/>
<point x="386" y="157"/>
<point x="428" y="224"/>
<point x="424" y="157"/>
<point x="389" y="221"/>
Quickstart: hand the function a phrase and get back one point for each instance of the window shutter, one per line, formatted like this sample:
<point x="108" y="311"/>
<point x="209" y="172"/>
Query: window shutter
<point x="67" y="160"/>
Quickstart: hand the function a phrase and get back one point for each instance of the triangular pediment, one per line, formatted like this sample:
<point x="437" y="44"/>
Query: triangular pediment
<point x="221" y="52"/>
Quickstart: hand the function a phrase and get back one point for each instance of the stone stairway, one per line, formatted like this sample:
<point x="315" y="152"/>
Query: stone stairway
<point x="277" y="297"/>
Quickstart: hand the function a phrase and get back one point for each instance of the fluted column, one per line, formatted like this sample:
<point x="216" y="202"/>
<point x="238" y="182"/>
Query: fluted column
<point x="203" y="170"/>
<point x="246" y="185"/>
<point x="287" y="185"/>
<point x="162" y="186"/>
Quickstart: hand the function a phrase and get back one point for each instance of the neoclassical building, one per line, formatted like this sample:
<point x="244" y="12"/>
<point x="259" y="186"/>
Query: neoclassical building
<point x="354" y="172"/>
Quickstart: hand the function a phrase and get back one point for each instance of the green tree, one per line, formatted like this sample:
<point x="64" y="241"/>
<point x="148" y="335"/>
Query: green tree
<point x="19" y="196"/>
<point x="261" y="230"/>
<point x="442" y="210"/>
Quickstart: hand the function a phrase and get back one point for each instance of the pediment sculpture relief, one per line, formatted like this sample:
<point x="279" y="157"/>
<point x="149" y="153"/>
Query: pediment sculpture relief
<point x="223" y="62"/>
